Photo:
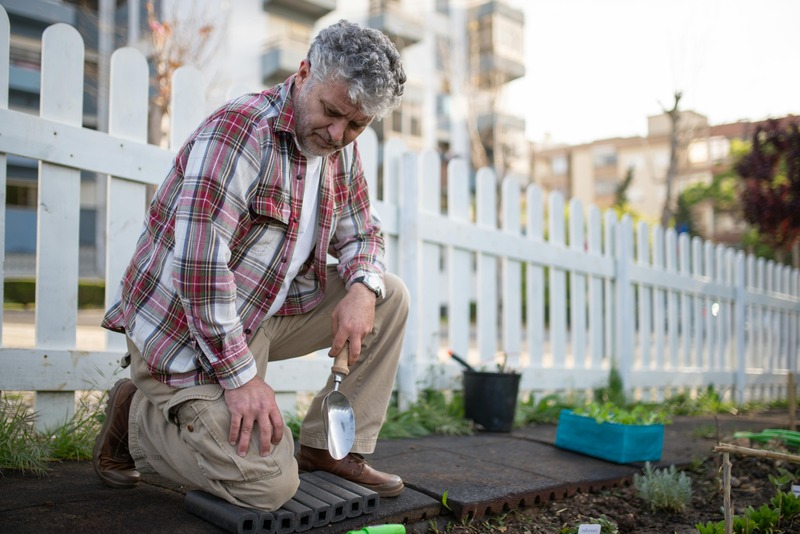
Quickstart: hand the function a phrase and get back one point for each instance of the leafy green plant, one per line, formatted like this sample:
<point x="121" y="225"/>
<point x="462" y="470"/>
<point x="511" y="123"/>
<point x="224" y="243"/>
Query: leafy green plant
<point x="612" y="413"/>
<point x="546" y="410"/>
<point x="664" y="489"/>
<point x="787" y="505"/>
<point x="431" y="414"/>
<point x="614" y="392"/>
<point x="763" y="519"/>
<point x="711" y="527"/>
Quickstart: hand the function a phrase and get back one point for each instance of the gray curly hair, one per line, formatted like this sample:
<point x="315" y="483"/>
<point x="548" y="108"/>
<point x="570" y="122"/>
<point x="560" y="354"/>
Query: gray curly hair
<point x="365" y="60"/>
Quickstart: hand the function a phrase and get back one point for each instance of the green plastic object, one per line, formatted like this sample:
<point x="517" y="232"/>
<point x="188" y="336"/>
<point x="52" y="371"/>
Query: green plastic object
<point x="788" y="437"/>
<point x="381" y="529"/>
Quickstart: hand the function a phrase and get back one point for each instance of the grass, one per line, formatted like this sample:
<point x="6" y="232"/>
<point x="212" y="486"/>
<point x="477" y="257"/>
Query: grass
<point x="24" y="449"/>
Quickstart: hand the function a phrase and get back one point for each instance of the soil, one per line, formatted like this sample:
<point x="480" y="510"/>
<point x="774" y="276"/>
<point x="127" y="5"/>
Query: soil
<point x="751" y="486"/>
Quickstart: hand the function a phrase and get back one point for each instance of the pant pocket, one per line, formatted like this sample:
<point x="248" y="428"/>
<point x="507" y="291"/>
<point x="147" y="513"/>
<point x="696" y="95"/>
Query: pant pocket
<point x="204" y="425"/>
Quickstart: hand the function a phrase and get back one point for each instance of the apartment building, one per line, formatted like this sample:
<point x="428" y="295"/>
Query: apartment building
<point x="458" y="55"/>
<point x="593" y="171"/>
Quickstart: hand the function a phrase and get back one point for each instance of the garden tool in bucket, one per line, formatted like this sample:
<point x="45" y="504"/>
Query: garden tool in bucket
<point x="337" y="414"/>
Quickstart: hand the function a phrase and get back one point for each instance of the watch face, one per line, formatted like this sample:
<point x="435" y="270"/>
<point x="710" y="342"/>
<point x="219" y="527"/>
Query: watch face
<point x="372" y="282"/>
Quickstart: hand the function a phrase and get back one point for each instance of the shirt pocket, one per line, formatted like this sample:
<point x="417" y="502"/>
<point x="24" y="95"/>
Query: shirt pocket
<point x="270" y="221"/>
<point x="266" y="208"/>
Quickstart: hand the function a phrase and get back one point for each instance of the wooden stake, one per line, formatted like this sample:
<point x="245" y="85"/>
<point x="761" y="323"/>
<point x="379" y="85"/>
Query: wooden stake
<point x="791" y="401"/>
<point x="727" y="509"/>
<point x="745" y="451"/>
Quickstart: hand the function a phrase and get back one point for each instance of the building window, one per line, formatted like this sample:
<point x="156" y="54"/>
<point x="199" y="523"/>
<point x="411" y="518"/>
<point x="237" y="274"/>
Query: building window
<point x="397" y="120"/>
<point x="718" y="149"/>
<point x="605" y="187"/>
<point x="698" y="152"/>
<point x="604" y="156"/>
<point x="559" y="165"/>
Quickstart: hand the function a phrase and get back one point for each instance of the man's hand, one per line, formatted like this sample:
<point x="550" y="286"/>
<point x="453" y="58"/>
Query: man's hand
<point x="249" y="404"/>
<point x="352" y="320"/>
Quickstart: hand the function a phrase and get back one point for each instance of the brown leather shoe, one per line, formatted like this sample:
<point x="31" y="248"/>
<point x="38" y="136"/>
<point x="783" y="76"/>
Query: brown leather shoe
<point x="352" y="467"/>
<point x="111" y="458"/>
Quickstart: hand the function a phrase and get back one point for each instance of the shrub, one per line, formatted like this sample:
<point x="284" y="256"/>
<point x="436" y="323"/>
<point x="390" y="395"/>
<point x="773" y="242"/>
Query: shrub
<point x="91" y="294"/>
<point x="664" y="489"/>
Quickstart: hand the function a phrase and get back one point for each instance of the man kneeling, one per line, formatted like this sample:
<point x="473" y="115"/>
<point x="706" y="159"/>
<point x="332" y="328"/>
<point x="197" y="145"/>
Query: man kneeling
<point x="230" y="273"/>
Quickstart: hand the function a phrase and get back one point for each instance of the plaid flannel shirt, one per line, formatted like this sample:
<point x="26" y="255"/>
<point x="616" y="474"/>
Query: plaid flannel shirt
<point x="218" y="239"/>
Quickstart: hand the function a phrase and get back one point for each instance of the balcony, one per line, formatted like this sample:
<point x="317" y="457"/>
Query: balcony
<point x="496" y="44"/>
<point x="281" y="59"/>
<point x="402" y="28"/>
<point x="304" y="10"/>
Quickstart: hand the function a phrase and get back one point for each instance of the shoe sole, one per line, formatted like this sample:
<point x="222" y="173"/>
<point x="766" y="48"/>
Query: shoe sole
<point x="101" y="437"/>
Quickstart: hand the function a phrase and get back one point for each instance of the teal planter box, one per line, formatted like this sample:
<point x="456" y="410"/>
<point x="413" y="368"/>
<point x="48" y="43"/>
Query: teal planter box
<point x="609" y="441"/>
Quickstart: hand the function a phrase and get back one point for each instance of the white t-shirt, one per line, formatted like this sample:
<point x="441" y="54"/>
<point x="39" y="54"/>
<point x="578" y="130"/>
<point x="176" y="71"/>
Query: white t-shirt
<point x="306" y="233"/>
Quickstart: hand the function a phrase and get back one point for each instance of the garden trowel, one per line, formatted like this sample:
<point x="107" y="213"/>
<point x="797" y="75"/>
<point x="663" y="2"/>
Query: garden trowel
<point x="337" y="414"/>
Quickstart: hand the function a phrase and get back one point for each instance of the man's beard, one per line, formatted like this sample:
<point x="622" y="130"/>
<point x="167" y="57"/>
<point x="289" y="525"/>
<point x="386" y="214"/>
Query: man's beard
<point x="311" y="142"/>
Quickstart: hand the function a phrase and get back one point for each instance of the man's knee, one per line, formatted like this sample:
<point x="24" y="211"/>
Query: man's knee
<point x="269" y="494"/>
<point x="397" y="295"/>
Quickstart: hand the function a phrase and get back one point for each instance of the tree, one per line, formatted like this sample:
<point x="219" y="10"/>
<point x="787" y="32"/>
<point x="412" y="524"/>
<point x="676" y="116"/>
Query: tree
<point x="770" y="189"/>
<point x="621" y="192"/>
<point x="672" y="170"/>
<point x="182" y="37"/>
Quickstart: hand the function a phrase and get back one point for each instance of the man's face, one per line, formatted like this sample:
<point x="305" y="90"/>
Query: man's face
<point x="325" y="118"/>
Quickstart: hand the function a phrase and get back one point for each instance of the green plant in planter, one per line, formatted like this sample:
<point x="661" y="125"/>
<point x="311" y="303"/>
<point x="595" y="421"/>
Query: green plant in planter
<point x="612" y="413"/>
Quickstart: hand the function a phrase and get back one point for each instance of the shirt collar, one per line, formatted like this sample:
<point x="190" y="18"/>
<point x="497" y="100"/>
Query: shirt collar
<point x="284" y="121"/>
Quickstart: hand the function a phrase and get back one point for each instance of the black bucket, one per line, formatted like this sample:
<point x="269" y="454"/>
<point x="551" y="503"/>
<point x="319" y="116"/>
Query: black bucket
<point x="490" y="399"/>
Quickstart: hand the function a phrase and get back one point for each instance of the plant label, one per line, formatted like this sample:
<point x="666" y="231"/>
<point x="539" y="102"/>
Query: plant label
<point x="796" y="490"/>
<point x="589" y="529"/>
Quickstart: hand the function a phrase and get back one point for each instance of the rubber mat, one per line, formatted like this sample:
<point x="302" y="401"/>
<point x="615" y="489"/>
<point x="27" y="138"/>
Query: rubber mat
<point x="322" y="499"/>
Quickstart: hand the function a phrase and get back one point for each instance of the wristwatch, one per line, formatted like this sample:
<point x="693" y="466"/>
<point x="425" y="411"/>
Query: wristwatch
<point x="373" y="283"/>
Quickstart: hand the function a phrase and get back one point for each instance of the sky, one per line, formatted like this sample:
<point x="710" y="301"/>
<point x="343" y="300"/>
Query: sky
<point x="596" y="69"/>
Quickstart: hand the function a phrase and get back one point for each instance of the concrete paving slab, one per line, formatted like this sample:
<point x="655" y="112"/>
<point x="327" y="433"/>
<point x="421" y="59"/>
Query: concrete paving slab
<point x="71" y="499"/>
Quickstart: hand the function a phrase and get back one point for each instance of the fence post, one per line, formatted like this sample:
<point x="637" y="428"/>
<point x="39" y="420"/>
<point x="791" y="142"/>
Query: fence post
<point x="57" y="216"/>
<point x="625" y="309"/>
<point x="740" y="321"/>
<point x="409" y="245"/>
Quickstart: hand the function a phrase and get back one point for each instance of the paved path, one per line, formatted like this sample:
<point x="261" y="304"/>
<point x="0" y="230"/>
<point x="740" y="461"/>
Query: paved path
<point x="481" y="474"/>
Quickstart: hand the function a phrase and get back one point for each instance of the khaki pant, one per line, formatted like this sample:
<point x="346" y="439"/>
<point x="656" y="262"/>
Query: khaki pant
<point x="182" y="434"/>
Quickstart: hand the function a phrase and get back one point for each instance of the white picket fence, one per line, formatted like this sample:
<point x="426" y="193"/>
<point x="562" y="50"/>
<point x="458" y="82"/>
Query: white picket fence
<point x="670" y="313"/>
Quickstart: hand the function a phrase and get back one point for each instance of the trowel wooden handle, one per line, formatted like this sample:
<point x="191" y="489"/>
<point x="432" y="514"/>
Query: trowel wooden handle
<point x="340" y="362"/>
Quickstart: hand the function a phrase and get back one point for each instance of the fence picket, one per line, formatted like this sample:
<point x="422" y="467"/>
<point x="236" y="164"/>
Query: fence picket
<point x="645" y="296"/>
<point x="577" y="286"/>
<point x="5" y="39"/>
<point x="558" y="290"/>
<point x="429" y="326"/>
<point x="58" y="213"/>
<point x="126" y="199"/>
<point x="487" y="268"/>
<point x="596" y="329"/>
<point x="697" y="317"/>
<point x="535" y="278"/>
<point x="459" y="261"/>
<point x="511" y="276"/>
